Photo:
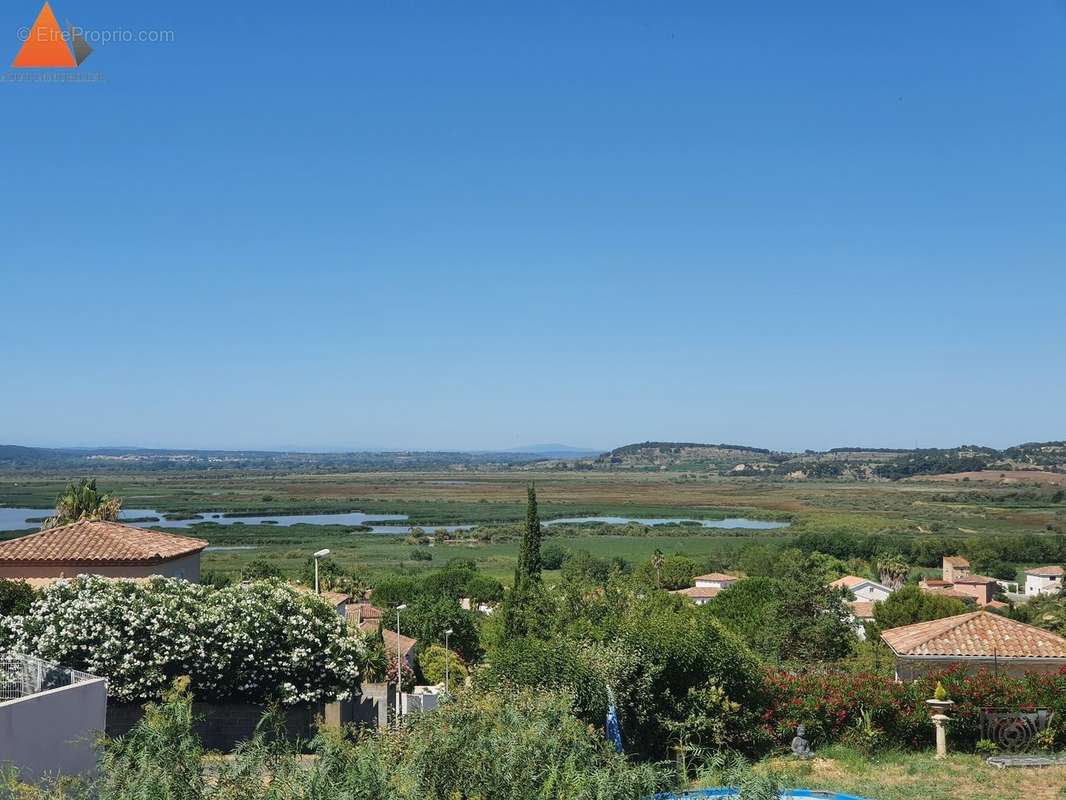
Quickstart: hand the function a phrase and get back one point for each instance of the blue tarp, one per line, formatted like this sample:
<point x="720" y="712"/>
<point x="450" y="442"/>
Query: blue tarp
<point x="611" y="729"/>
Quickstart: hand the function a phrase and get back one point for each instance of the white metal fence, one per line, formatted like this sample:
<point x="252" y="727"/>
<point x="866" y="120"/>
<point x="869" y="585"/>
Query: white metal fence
<point x="22" y="676"/>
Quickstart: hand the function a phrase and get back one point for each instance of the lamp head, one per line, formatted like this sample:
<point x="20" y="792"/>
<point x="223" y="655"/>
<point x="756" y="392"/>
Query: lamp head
<point x="321" y="553"/>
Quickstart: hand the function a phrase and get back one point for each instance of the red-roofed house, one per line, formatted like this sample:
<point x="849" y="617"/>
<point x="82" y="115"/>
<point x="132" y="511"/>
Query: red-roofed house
<point x="976" y="640"/>
<point x="980" y="588"/>
<point x="109" y="549"/>
<point x="1043" y="580"/>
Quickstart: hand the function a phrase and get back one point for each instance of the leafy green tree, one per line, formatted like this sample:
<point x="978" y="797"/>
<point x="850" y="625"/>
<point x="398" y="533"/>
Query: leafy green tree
<point x="911" y="604"/>
<point x="393" y="590"/>
<point x="528" y="609"/>
<point x="1047" y="612"/>
<point x="427" y="618"/>
<point x="16" y="597"/>
<point x="483" y="589"/>
<point x="584" y="568"/>
<point x="751" y="608"/>
<point x="798" y="619"/>
<point x="262" y="569"/>
<point x="667" y="572"/>
<point x="431" y="662"/>
<point x="82" y="500"/>
<point x="330" y="573"/>
<point x="552" y="555"/>
<point x="816" y="621"/>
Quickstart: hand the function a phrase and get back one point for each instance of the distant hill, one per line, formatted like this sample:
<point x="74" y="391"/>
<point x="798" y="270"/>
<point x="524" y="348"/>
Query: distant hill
<point x="857" y="463"/>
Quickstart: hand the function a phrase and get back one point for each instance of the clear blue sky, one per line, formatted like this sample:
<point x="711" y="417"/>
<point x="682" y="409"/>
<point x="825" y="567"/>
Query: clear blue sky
<point x="484" y="224"/>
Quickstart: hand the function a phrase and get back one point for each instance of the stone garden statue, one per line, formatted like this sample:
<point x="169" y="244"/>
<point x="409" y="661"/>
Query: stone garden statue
<point x="801" y="748"/>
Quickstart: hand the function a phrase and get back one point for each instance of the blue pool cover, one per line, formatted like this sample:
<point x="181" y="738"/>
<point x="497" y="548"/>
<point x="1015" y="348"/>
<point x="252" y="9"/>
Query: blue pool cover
<point x="788" y="794"/>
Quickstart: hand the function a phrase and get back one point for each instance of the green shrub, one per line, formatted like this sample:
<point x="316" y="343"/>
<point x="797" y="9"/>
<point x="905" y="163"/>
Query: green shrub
<point x="524" y="746"/>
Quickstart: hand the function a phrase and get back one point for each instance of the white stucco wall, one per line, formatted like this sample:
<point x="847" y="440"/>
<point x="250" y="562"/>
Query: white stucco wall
<point x="871" y="591"/>
<point x="1040" y="584"/>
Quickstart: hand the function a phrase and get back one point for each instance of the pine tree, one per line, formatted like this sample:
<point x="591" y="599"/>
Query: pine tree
<point x="529" y="563"/>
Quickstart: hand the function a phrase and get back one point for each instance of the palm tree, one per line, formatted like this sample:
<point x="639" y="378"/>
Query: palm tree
<point x="82" y="501"/>
<point x="893" y="571"/>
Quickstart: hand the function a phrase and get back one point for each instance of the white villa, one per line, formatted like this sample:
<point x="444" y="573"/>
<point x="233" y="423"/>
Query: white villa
<point x="867" y="592"/>
<point x="715" y="580"/>
<point x="863" y="588"/>
<point x="1043" y="580"/>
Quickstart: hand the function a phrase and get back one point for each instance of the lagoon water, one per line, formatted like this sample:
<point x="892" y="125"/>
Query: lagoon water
<point x="18" y="519"/>
<point x="732" y="522"/>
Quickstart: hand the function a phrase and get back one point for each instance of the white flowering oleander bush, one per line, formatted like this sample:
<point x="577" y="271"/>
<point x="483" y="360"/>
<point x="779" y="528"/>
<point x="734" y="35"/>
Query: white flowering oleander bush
<point x="257" y="642"/>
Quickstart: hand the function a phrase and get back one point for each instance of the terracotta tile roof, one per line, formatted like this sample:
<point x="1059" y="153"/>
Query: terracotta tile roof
<point x="996" y="604"/>
<point x="363" y="612"/>
<point x="978" y="579"/>
<point x="334" y="598"/>
<point x="698" y="592"/>
<point x="1046" y="572"/>
<point x="716" y="576"/>
<point x="933" y="583"/>
<point x="956" y="561"/>
<point x="406" y="642"/>
<point x="947" y="591"/>
<point x="980" y="634"/>
<point x="862" y="609"/>
<point x="86" y="543"/>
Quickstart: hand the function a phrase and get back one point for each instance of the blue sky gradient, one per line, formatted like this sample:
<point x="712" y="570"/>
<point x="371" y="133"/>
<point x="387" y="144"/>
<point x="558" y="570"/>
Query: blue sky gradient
<point x="476" y="225"/>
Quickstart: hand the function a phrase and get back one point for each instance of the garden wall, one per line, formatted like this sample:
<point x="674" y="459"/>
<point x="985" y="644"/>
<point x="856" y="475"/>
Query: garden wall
<point x="53" y="731"/>
<point x="222" y="726"/>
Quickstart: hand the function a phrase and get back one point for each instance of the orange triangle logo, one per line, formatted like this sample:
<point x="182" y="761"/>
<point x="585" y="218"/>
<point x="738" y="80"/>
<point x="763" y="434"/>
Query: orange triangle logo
<point x="46" y="45"/>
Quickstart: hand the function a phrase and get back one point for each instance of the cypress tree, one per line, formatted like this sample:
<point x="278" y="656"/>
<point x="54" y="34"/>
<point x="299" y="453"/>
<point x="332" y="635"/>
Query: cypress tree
<point x="529" y="564"/>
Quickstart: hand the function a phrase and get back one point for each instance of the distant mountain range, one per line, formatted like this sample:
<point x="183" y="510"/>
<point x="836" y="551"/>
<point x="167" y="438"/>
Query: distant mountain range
<point x="856" y="463"/>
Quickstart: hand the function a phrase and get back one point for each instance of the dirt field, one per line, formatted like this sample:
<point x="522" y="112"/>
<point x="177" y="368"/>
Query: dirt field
<point x="1005" y="478"/>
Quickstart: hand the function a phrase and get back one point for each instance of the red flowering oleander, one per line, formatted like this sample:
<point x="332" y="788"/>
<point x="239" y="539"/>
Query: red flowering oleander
<point x="830" y="704"/>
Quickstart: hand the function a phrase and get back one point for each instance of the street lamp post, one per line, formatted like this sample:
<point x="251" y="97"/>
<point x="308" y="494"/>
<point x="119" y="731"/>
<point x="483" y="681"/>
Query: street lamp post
<point x="447" y="654"/>
<point x="399" y="666"/>
<point x="317" y="556"/>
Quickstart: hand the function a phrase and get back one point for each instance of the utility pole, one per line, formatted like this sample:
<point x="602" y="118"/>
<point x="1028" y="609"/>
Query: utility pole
<point x="399" y="668"/>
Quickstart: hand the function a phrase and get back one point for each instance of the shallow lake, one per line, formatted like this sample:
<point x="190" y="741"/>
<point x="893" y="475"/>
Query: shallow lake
<point x="17" y="519"/>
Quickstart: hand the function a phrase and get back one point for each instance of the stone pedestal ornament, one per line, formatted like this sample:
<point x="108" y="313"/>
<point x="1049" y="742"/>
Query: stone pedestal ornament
<point x="940" y="721"/>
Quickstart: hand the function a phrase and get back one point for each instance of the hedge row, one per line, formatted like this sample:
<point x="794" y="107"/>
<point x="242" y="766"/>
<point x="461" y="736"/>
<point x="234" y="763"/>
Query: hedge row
<point x="831" y="705"/>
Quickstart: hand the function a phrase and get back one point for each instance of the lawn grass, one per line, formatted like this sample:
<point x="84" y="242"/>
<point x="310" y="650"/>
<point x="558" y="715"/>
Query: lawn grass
<point x="919" y="776"/>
